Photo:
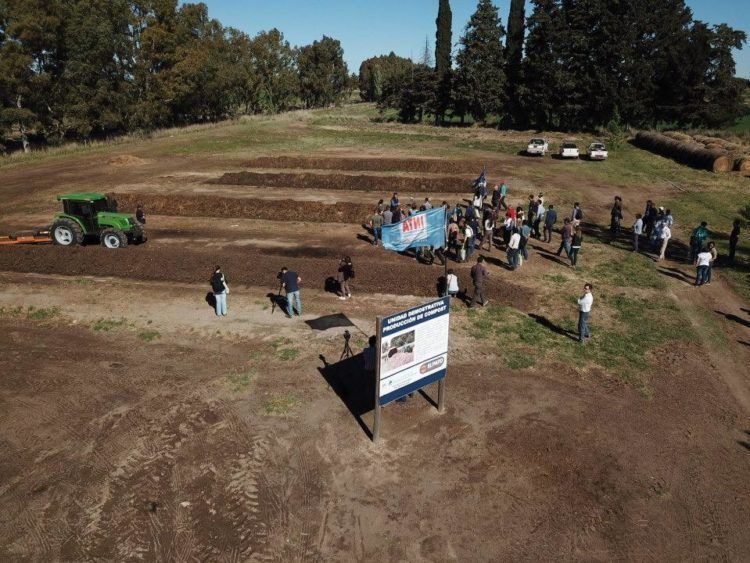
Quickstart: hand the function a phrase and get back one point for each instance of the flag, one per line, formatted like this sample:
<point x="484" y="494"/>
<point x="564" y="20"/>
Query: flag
<point x="423" y="229"/>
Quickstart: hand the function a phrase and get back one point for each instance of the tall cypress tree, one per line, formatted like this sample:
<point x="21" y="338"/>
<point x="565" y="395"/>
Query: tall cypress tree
<point x="480" y="76"/>
<point x="541" y="66"/>
<point x="443" y="38"/>
<point x="443" y="61"/>
<point x="514" y="55"/>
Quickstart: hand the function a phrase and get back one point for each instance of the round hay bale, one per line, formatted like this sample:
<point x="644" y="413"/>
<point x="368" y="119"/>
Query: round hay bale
<point x="691" y="154"/>
<point x="742" y="165"/>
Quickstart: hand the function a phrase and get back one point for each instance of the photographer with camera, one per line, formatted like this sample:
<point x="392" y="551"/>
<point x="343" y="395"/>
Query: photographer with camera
<point x="345" y="273"/>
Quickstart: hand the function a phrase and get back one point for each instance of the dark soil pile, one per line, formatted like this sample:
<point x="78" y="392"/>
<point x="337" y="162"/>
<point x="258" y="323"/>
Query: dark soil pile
<point x="435" y="166"/>
<point x="359" y="182"/>
<point x="276" y="210"/>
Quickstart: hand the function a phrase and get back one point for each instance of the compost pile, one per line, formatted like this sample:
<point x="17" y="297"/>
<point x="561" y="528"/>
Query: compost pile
<point x="358" y="182"/>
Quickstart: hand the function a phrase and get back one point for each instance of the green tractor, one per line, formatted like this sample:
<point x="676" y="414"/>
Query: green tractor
<point x="94" y="216"/>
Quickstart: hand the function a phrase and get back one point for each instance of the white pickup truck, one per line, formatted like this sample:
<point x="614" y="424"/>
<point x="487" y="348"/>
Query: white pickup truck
<point x="569" y="150"/>
<point x="538" y="147"/>
<point x="597" y="151"/>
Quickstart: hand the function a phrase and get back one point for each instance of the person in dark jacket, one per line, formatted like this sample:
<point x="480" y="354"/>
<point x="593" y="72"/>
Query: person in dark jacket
<point x="140" y="214"/>
<point x="616" y="217"/>
<point x="220" y="290"/>
<point x="346" y="273"/>
<point x="575" y="247"/>
<point x="550" y="218"/>
<point x="479" y="273"/>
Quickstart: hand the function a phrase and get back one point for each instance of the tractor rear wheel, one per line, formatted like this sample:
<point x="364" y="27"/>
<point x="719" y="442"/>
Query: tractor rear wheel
<point x="66" y="232"/>
<point x="112" y="238"/>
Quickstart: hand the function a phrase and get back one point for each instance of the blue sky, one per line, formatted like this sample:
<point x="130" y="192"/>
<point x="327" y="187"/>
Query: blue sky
<point x="374" y="27"/>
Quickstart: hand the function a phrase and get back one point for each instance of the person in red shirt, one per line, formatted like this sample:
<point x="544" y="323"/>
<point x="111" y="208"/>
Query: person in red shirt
<point x="511" y="213"/>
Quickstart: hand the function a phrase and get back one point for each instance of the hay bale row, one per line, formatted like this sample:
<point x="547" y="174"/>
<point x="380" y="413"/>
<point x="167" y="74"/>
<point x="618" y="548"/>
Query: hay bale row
<point x="686" y="153"/>
<point x="678" y="136"/>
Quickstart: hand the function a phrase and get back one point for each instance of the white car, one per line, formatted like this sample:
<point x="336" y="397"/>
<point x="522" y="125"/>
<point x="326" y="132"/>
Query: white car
<point x="597" y="151"/>
<point x="569" y="150"/>
<point x="538" y="147"/>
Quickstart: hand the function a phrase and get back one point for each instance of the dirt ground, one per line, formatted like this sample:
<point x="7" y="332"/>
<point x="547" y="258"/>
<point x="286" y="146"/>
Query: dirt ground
<point x="134" y="424"/>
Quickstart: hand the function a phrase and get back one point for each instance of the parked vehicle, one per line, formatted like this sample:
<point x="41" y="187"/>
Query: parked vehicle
<point x="597" y="151"/>
<point x="569" y="150"/>
<point x="537" y="147"/>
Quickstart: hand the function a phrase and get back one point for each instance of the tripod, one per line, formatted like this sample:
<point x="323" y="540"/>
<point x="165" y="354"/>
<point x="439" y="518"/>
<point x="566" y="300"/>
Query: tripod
<point x="347" y="353"/>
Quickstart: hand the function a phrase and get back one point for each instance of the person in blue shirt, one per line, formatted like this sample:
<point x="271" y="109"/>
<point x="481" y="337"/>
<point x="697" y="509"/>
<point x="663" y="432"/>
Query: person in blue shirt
<point x="290" y="282"/>
<point x="550" y="218"/>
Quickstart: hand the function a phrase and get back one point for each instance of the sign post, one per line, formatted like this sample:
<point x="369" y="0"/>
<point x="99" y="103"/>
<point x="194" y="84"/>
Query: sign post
<point x="378" y="408"/>
<point x="412" y="349"/>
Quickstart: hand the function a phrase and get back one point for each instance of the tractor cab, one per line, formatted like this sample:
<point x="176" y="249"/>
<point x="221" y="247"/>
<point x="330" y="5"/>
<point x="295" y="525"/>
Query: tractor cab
<point x="94" y="216"/>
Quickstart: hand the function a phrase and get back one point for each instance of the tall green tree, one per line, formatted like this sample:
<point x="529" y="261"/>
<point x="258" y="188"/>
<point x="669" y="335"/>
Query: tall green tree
<point x="412" y="93"/>
<point x="443" y="58"/>
<point x="514" y="56"/>
<point x="272" y="73"/>
<point x="480" y="81"/>
<point x="541" y="65"/>
<point x="94" y="88"/>
<point x="31" y="50"/>
<point x="376" y="71"/>
<point x="323" y="73"/>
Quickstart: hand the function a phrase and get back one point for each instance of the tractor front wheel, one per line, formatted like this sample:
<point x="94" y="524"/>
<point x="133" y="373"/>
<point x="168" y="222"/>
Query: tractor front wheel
<point x="112" y="238"/>
<point x="66" y="232"/>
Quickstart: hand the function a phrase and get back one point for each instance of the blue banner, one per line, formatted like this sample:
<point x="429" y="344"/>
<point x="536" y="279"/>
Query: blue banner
<point x="426" y="228"/>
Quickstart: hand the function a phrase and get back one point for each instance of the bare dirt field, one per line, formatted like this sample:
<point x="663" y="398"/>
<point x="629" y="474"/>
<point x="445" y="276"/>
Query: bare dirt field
<point x="134" y="424"/>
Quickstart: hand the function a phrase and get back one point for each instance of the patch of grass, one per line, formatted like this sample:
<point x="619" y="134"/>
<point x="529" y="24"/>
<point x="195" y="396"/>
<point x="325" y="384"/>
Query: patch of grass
<point x="558" y="279"/>
<point x="520" y="362"/>
<point x="239" y="381"/>
<point x="280" y="342"/>
<point x="635" y="270"/>
<point x="621" y="345"/>
<point x="255" y="355"/>
<point x="107" y="325"/>
<point x="11" y="312"/>
<point x="280" y="405"/>
<point x="149" y="335"/>
<point x="42" y="314"/>
<point x="288" y="354"/>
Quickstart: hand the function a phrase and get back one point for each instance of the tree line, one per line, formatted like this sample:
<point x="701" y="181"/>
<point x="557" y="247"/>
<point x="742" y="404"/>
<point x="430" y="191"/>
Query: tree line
<point x="571" y="64"/>
<point x="82" y="69"/>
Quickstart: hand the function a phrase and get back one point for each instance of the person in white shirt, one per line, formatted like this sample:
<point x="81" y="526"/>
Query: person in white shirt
<point x="451" y="282"/>
<point x="513" y="245"/>
<point x="468" y="243"/>
<point x="702" y="263"/>
<point x="665" y="235"/>
<point x="584" y="312"/>
<point x="637" y="231"/>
